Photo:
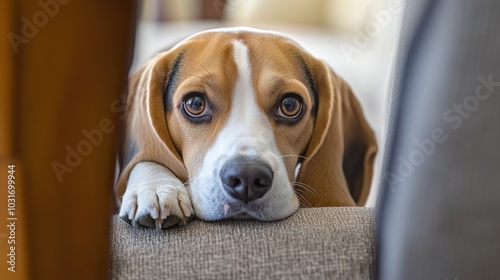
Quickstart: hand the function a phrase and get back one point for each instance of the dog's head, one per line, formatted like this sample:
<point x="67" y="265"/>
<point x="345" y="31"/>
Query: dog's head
<point x="252" y="123"/>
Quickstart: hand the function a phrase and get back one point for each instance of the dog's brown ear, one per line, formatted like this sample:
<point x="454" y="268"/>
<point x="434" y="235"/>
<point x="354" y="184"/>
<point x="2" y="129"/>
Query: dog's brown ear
<point x="338" y="162"/>
<point x="147" y="136"/>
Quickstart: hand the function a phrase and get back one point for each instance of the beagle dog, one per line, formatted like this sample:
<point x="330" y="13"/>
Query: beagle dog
<point x="240" y="123"/>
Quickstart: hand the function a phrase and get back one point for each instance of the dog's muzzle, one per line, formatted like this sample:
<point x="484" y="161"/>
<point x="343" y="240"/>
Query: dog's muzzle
<point x="246" y="180"/>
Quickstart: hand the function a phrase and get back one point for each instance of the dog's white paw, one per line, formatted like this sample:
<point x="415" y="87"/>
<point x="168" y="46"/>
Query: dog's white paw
<point x="156" y="206"/>
<point x="156" y="202"/>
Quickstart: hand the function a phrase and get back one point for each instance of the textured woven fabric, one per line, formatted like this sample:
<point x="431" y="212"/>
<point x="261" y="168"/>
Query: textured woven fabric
<point x="314" y="243"/>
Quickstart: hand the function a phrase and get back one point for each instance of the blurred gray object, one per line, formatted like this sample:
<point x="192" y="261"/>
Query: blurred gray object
<point x="440" y="190"/>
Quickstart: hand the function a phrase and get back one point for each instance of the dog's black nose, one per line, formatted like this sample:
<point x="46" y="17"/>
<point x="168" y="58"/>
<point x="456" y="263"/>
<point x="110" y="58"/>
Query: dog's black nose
<point x="246" y="180"/>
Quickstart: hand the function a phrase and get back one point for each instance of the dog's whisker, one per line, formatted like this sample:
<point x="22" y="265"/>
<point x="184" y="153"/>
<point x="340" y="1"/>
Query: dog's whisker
<point x="304" y="188"/>
<point x="300" y="192"/>
<point x="289" y="156"/>
<point x="303" y="202"/>
<point x="302" y="157"/>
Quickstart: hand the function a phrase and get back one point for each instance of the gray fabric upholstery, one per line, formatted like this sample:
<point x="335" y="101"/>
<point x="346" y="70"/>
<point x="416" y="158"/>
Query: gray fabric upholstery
<point x="441" y="203"/>
<point x="314" y="243"/>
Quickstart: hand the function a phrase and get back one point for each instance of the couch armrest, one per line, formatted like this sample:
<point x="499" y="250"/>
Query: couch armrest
<point x="331" y="243"/>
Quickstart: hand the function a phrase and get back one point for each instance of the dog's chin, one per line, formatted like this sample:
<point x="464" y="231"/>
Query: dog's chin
<point x="241" y="211"/>
<point x="246" y="214"/>
<point x="242" y="216"/>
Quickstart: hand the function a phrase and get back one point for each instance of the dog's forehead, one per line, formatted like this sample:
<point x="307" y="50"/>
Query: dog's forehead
<point x="270" y="53"/>
<point x="258" y="42"/>
<point x="240" y="33"/>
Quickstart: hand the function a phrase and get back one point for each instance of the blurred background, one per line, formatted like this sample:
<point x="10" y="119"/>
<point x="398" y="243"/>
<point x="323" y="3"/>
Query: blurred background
<point x="357" y="38"/>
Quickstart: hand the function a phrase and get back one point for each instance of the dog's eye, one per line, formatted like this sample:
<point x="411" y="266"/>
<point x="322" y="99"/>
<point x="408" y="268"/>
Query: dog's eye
<point x="290" y="107"/>
<point x="195" y="105"/>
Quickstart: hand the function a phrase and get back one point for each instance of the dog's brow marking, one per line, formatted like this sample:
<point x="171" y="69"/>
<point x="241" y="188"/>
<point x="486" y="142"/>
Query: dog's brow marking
<point x="311" y="84"/>
<point x="244" y="106"/>
<point x="171" y="84"/>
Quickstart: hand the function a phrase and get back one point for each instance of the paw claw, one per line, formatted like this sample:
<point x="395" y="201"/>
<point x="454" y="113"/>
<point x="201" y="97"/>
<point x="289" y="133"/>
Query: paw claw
<point x="154" y="206"/>
<point x="184" y="209"/>
<point x="154" y="213"/>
